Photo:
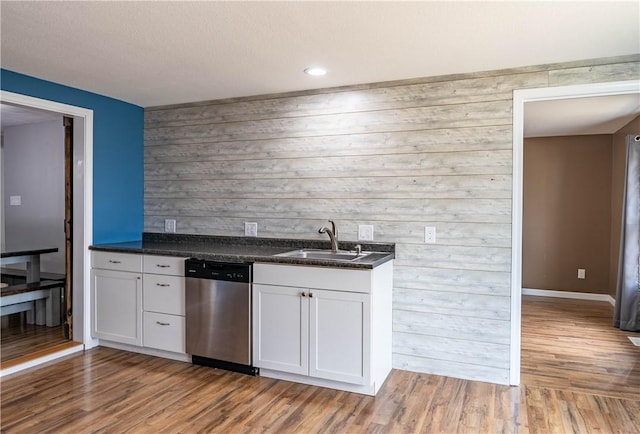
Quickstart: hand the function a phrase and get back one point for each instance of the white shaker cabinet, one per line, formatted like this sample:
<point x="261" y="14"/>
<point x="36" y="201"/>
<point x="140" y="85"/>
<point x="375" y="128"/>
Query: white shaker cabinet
<point x="324" y="326"/>
<point x="163" y="303"/>
<point x="138" y="300"/>
<point x="339" y="335"/>
<point x="117" y="297"/>
<point x="281" y="328"/>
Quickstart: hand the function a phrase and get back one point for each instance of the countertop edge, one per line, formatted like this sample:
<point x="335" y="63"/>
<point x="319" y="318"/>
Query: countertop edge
<point x="246" y="258"/>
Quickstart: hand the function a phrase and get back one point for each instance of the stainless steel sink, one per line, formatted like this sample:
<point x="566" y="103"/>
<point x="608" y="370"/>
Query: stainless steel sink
<point x="340" y="255"/>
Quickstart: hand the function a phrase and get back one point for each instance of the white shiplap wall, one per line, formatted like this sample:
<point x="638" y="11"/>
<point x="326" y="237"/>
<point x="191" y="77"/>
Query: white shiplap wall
<point x="399" y="156"/>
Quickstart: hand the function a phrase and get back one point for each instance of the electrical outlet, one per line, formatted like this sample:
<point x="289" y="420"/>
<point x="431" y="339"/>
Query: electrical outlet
<point x="365" y="232"/>
<point x="169" y="225"/>
<point x="251" y="229"/>
<point x="15" y="200"/>
<point x="430" y="234"/>
<point x="582" y="273"/>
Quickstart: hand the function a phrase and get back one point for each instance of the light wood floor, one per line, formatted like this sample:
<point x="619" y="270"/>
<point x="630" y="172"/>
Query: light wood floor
<point x="21" y="339"/>
<point x="571" y="345"/>
<point x="107" y="390"/>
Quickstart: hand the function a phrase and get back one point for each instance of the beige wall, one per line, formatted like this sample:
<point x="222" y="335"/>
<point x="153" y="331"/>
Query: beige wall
<point x="401" y="156"/>
<point x="566" y="213"/>
<point x="617" y="190"/>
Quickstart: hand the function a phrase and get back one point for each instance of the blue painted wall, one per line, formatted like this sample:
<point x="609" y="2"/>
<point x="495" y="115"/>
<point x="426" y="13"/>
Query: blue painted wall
<point x="118" y="154"/>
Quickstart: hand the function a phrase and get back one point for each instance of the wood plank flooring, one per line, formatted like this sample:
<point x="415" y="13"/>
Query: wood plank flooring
<point x="571" y="345"/>
<point x="21" y="339"/>
<point x="107" y="390"/>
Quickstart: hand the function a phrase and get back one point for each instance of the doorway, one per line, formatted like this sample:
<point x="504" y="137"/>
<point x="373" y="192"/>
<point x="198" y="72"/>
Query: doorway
<point x="82" y="176"/>
<point x="520" y="98"/>
<point x="36" y="165"/>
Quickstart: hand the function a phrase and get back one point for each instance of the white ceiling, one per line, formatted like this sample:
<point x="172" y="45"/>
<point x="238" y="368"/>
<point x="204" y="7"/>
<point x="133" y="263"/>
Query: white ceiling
<point x="12" y="115"/>
<point x="155" y="53"/>
<point x="580" y="116"/>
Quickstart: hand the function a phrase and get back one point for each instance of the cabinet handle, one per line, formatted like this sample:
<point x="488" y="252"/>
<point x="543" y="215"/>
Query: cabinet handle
<point x="114" y="262"/>
<point x="162" y="284"/>
<point x="304" y="294"/>
<point x="311" y="295"/>
<point x="163" y="266"/>
<point x="163" y="323"/>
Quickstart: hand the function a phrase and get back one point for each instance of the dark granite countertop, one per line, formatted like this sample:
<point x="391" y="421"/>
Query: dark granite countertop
<point x="247" y="249"/>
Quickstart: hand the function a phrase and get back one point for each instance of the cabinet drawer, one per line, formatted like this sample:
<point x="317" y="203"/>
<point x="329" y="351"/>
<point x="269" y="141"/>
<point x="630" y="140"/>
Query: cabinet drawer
<point x="164" y="332"/>
<point x="164" y="265"/>
<point x="117" y="261"/>
<point x="163" y="294"/>
<point x="300" y="276"/>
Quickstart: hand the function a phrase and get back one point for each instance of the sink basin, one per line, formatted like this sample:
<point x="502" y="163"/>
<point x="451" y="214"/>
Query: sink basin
<point x="340" y="255"/>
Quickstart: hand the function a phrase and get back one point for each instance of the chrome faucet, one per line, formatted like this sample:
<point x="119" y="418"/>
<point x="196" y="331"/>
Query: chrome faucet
<point x="333" y="235"/>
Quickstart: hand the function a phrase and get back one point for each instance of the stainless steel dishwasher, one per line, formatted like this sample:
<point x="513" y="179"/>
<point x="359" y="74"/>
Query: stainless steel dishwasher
<point x="218" y="314"/>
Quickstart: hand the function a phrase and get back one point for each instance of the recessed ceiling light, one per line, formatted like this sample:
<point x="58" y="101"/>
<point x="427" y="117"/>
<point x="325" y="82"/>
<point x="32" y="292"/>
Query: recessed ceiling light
<point x="315" y="71"/>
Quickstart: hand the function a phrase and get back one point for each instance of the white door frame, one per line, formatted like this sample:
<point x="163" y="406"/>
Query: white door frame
<point x="520" y="97"/>
<point x="83" y="214"/>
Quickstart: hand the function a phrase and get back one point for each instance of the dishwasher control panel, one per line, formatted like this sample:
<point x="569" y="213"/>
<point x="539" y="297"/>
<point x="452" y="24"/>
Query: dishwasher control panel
<point x="216" y="270"/>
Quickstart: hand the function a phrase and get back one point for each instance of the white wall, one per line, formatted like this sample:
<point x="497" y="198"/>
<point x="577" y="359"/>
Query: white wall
<point x="33" y="168"/>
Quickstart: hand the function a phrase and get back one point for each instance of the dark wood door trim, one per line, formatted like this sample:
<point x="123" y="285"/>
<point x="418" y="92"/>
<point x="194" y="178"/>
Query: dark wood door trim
<point x="68" y="224"/>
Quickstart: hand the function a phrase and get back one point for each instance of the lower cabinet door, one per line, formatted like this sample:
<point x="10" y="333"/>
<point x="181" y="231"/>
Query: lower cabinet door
<point x="117" y="306"/>
<point x="164" y="332"/>
<point x="280" y="328"/>
<point x="339" y="336"/>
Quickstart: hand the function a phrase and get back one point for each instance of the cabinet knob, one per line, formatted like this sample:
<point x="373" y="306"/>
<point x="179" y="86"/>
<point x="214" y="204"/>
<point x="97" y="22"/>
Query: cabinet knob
<point x="311" y="295"/>
<point x="304" y="294"/>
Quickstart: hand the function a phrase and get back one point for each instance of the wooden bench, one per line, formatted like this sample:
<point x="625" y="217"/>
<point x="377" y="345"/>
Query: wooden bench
<point x="39" y="299"/>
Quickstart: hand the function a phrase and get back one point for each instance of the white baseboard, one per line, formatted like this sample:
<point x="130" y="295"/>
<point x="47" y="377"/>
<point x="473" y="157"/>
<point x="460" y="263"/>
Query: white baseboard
<point x="180" y="357"/>
<point x="569" y="294"/>
<point x="41" y="360"/>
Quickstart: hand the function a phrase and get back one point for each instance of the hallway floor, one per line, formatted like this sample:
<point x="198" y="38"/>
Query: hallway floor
<point x="571" y="345"/>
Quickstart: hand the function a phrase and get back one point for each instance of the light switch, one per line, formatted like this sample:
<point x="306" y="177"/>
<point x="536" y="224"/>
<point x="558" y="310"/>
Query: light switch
<point x="251" y="229"/>
<point x="582" y="273"/>
<point x="15" y="200"/>
<point x="430" y="234"/>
